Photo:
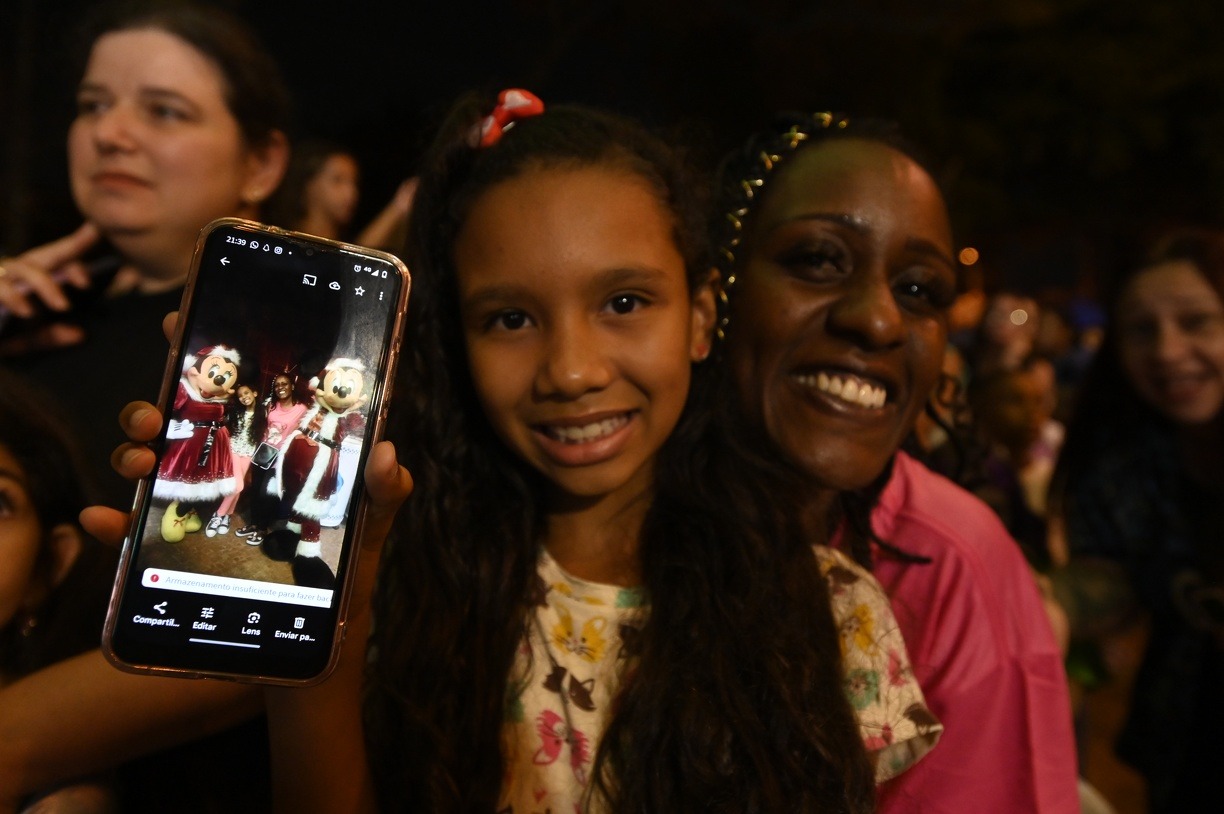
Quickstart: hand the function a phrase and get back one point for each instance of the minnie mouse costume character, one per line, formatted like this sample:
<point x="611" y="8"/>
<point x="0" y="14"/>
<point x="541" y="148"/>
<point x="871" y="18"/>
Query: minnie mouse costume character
<point x="196" y="466"/>
<point x="309" y="469"/>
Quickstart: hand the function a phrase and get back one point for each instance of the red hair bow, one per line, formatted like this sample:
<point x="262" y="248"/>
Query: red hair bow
<point x="512" y="104"/>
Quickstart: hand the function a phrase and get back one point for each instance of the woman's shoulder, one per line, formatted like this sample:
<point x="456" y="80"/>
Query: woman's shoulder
<point x="926" y="514"/>
<point x="976" y="577"/>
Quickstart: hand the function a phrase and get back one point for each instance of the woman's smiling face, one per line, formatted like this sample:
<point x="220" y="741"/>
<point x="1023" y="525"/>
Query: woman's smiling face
<point x="1171" y="342"/>
<point x="838" y="315"/>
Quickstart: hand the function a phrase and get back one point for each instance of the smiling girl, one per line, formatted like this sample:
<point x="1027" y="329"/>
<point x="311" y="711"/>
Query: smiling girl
<point x="601" y="595"/>
<point x="597" y="596"/>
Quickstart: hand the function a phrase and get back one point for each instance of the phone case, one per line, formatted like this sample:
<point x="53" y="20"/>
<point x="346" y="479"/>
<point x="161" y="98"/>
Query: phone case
<point x="240" y="557"/>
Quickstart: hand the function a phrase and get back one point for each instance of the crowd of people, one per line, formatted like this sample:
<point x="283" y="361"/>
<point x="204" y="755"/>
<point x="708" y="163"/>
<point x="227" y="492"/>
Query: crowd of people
<point x="828" y="518"/>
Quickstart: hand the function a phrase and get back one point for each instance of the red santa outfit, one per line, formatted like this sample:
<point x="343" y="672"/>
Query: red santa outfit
<point x="311" y="463"/>
<point x="197" y="465"/>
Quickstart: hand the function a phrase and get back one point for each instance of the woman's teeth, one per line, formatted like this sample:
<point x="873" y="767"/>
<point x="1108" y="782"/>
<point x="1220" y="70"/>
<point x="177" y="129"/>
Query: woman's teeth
<point x="850" y="389"/>
<point x="587" y="432"/>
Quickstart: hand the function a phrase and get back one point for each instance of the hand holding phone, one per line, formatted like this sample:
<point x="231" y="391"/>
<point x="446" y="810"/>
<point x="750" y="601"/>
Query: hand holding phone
<point x="193" y="596"/>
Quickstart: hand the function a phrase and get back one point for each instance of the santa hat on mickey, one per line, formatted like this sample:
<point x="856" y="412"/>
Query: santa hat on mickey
<point x="339" y="362"/>
<point x="223" y="351"/>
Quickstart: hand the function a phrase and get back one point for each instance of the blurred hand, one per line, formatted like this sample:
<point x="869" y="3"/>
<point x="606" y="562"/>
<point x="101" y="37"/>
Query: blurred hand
<point x="36" y="279"/>
<point x="402" y="200"/>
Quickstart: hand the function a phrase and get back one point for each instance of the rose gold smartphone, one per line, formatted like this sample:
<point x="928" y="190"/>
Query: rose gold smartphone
<point x="277" y="385"/>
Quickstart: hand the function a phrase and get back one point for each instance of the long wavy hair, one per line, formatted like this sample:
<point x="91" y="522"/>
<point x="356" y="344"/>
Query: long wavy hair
<point x="736" y="701"/>
<point x="743" y="182"/>
<point x="253" y="428"/>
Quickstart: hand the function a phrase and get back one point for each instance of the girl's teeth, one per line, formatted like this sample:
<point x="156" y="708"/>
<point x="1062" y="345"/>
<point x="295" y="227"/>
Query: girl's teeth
<point x="848" y="389"/>
<point x="587" y="433"/>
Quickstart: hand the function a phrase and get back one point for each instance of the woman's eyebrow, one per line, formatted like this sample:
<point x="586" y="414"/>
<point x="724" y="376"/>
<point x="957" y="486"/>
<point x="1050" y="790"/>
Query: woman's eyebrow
<point x="853" y="222"/>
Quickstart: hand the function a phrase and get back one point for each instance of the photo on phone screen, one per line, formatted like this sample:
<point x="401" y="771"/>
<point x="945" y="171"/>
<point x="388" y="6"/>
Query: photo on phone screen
<point x="239" y="552"/>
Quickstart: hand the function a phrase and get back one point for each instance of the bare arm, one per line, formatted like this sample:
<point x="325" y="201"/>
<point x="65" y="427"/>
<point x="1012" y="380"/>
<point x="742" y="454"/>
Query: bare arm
<point x="82" y="716"/>
<point x="387" y="228"/>
<point x="318" y="746"/>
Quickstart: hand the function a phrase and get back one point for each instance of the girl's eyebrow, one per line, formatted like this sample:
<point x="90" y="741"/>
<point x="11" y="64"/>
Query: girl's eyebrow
<point x="631" y="275"/>
<point x="615" y="277"/>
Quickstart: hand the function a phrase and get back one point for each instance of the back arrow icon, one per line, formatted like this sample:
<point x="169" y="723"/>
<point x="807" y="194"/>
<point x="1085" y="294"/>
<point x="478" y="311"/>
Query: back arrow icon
<point x="160" y="607"/>
<point x="225" y="261"/>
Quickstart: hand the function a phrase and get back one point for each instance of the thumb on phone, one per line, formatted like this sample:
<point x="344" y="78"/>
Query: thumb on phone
<point x="388" y="484"/>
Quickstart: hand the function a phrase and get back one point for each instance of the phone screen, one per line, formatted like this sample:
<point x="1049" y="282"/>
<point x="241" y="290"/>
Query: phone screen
<point x="275" y="391"/>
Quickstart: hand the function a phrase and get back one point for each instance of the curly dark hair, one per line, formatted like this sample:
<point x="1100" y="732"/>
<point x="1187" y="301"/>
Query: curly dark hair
<point x="256" y="427"/>
<point x="736" y="699"/>
<point x="743" y="182"/>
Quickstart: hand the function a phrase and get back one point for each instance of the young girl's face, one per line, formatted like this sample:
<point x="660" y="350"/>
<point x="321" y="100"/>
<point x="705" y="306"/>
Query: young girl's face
<point x="579" y="323"/>
<point x="246" y="396"/>
<point x="20" y="537"/>
<point x="332" y="192"/>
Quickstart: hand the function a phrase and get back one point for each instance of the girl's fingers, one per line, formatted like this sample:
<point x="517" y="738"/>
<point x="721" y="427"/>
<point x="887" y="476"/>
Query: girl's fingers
<point x="133" y="461"/>
<point x="169" y="323"/>
<point x="108" y="525"/>
<point x="140" y="421"/>
<point x="387" y="486"/>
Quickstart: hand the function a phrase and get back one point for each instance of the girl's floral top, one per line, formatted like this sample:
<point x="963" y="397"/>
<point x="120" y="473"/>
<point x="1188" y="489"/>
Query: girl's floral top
<point x="571" y="661"/>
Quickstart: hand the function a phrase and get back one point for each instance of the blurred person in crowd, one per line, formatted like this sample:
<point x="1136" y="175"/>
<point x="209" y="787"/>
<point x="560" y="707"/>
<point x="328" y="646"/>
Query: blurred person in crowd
<point x="1012" y="409"/>
<point x="55" y="581"/>
<point x="320" y="193"/>
<point x="1006" y="333"/>
<point x="1140" y="489"/>
<point x="180" y="120"/>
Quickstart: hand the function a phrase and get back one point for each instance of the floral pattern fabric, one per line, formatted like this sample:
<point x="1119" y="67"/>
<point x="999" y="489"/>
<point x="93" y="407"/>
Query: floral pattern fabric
<point x="570" y="664"/>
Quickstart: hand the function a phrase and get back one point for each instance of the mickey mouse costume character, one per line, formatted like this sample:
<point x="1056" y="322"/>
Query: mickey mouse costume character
<point x="309" y="469"/>
<point x="196" y="467"/>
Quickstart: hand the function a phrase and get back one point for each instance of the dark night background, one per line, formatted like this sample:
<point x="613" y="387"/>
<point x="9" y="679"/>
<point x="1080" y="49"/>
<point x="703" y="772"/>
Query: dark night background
<point x="1066" y="127"/>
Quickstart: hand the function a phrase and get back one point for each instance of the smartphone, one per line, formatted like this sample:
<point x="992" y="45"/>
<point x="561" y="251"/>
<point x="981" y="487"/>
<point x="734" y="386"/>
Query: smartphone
<point x="276" y="386"/>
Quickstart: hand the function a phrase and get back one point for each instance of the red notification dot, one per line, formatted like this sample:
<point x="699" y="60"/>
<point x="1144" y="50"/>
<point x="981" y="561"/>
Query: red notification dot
<point x="154" y="578"/>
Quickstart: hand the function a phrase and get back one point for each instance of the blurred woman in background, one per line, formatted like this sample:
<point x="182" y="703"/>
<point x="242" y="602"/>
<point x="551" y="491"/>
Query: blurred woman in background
<point x="180" y="120"/>
<point x="1140" y="487"/>
<point x="320" y="193"/>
